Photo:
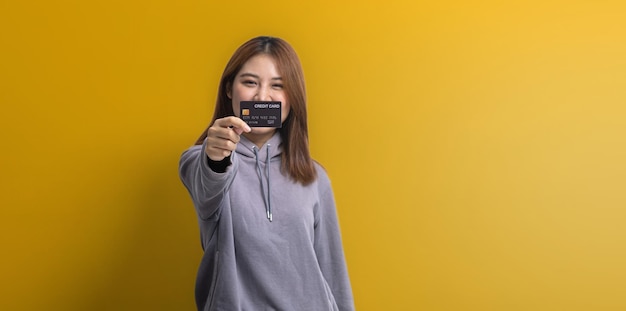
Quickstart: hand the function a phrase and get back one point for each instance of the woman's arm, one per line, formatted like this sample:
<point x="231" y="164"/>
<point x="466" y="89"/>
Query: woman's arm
<point x="206" y="186"/>
<point x="328" y="246"/>
<point x="208" y="170"/>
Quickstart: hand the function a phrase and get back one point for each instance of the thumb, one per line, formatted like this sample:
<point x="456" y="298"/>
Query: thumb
<point x="238" y="130"/>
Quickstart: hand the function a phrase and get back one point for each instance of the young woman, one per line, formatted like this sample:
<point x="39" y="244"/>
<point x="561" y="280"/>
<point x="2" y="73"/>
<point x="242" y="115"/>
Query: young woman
<point x="266" y="210"/>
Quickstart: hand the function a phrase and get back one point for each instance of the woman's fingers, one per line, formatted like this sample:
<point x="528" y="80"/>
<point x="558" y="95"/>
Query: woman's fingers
<point x="223" y="136"/>
<point x="233" y="122"/>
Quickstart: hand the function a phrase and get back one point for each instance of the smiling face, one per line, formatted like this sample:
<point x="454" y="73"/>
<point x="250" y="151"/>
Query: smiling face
<point x="259" y="80"/>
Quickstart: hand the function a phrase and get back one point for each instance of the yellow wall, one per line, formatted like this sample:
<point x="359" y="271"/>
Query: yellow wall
<point x="476" y="147"/>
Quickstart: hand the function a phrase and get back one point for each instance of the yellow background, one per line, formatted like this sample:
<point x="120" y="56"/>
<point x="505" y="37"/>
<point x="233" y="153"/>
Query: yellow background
<point x="476" y="147"/>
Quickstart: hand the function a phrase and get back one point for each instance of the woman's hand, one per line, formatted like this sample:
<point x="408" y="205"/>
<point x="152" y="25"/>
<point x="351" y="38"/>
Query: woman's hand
<point x="223" y="136"/>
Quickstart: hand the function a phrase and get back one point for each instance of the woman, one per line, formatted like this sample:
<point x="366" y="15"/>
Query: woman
<point x="266" y="210"/>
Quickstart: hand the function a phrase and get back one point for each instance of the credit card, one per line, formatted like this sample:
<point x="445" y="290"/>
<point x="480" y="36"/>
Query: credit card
<point x="260" y="113"/>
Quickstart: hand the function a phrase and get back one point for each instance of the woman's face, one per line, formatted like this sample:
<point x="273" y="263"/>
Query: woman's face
<point x="259" y="80"/>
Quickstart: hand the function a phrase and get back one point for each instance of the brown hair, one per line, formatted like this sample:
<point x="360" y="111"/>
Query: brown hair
<point x="297" y="160"/>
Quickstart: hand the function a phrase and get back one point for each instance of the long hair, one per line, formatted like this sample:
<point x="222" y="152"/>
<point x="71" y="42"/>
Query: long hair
<point x="296" y="160"/>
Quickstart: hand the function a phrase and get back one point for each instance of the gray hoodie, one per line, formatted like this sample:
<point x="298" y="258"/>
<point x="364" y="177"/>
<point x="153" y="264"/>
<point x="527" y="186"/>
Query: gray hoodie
<point x="293" y="262"/>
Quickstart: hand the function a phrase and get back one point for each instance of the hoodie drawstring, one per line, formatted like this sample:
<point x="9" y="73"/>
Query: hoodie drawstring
<point x="266" y="194"/>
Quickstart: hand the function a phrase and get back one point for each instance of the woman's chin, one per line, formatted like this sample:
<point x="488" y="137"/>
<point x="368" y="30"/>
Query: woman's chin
<point x="262" y="130"/>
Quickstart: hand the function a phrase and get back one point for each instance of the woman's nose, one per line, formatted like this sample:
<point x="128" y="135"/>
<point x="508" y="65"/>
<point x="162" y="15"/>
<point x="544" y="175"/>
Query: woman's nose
<point x="263" y="94"/>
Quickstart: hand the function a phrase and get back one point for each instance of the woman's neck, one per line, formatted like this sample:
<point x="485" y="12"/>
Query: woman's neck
<point x="259" y="139"/>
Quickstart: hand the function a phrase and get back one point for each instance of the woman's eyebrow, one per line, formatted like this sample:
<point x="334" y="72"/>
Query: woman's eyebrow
<point x="247" y="74"/>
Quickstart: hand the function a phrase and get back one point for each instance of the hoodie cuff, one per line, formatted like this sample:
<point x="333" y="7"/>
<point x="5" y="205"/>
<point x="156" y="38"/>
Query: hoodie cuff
<point x="219" y="166"/>
<point x="216" y="166"/>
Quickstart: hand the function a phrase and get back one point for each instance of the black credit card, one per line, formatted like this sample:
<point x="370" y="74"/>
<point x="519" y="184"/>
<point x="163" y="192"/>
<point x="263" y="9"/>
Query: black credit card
<point x="260" y="113"/>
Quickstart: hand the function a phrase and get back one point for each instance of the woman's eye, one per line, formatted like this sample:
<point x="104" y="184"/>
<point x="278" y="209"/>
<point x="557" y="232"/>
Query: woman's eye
<point x="249" y="82"/>
<point x="277" y="86"/>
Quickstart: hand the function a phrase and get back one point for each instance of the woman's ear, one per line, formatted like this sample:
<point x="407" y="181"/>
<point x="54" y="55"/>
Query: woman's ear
<point x="229" y="90"/>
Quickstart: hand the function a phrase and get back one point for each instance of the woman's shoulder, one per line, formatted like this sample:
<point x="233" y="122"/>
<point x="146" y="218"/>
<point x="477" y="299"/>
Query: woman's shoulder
<point x="193" y="148"/>
<point x="190" y="153"/>
<point x="322" y="175"/>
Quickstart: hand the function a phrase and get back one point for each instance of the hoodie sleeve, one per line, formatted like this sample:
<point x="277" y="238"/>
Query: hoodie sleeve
<point x="328" y="246"/>
<point x="206" y="187"/>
